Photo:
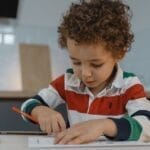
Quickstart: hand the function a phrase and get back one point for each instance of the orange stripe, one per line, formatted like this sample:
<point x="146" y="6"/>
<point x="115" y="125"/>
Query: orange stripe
<point x="108" y="106"/>
<point x="77" y="101"/>
<point x="112" y="105"/>
<point x="115" y="105"/>
<point x="58" y="84"/>
<point x="135" y="92"/>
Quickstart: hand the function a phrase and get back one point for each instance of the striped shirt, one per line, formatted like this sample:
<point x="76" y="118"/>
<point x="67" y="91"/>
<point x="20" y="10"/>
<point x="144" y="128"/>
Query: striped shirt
<point x="124" y="101"/>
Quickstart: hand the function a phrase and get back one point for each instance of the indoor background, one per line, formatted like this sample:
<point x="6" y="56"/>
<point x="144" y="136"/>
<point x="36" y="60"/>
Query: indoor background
<point x="36" y="24"/>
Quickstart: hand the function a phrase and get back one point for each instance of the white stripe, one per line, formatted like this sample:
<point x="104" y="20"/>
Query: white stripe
<point x="145" y="123"/>
<point x="76" y="117"/>
<point x="131" y="81"/>
<point x="128" y="83"/>
<point x="136" y="105"/>
<point x="75" y="90"/>
<point x="51" y="96"/>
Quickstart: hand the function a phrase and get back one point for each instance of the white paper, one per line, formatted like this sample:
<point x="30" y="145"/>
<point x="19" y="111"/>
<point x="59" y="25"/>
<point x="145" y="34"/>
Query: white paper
<point x="40" y="141"/>
<point x="48" y="141"/>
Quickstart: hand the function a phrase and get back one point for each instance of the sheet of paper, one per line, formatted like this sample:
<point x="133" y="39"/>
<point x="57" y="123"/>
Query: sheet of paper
<point x="40" y="141"/>
<point x="48" y="141"/>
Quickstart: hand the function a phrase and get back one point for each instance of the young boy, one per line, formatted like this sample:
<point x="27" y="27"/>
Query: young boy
<point x="101" y="98"/>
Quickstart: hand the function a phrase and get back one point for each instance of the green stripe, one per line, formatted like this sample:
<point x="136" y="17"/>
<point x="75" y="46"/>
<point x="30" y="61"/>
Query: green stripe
<point x="29" y="106"/>
<point x="136" y="128"/>
<point x="128" y="74"/>
<point x="70" y="70"/>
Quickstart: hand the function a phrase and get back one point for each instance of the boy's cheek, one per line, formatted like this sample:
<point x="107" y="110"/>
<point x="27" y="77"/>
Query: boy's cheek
<point x="77" y="72"/>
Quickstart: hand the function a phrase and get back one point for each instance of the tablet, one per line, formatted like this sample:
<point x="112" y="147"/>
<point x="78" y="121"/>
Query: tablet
<point x="12" y="123"/>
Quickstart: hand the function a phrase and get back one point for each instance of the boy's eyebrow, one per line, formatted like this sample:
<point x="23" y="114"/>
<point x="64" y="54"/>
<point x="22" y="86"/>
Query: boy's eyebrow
<point x="93" y="60"/>
<point x="73" y="58"/>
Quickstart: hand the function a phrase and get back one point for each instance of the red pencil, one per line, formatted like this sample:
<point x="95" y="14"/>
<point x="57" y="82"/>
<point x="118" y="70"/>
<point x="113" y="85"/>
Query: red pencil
<point x="15" y="109"/>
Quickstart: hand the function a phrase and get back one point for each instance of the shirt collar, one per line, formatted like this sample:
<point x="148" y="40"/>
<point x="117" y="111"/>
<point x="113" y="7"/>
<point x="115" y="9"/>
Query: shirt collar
<point x="118" y="80"/>
<point x="72" y="80"/>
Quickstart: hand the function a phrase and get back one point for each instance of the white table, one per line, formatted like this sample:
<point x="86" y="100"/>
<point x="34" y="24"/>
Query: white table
<point x="13" y="142"/>
<point x="20" y="142"/>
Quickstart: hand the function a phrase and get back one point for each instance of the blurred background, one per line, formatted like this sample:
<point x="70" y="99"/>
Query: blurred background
<point x="30" y="56"/>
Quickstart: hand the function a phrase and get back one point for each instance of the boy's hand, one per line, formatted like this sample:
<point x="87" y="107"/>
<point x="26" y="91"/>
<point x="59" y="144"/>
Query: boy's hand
<point x="86" y="132"/>
<point x="50" y="121"/>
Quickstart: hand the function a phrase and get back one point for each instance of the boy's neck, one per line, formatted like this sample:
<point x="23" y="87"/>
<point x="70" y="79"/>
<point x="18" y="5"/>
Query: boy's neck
<point x="107" y="83"/>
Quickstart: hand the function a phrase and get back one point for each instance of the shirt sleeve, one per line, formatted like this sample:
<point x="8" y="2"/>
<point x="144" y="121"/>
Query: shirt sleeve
<point x="48" y="97"/>
<point x="135" y="125"/>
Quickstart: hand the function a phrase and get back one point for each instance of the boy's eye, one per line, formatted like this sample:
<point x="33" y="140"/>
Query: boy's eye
<point x="76" y="63"/>
<point x="97" y="65"/>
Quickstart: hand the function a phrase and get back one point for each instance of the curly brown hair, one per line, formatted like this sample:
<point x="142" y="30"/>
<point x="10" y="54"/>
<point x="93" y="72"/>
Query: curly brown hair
<point x="98" y="21"/>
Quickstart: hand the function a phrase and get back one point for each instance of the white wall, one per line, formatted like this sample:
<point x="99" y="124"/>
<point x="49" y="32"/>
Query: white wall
<point x="37" y="23"/>
<point x="138" y="59"/>
<point x="42" y="13"/>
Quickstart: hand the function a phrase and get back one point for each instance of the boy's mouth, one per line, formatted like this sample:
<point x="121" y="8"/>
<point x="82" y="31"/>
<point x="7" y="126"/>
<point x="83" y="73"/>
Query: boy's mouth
<point x="89" y="82"/>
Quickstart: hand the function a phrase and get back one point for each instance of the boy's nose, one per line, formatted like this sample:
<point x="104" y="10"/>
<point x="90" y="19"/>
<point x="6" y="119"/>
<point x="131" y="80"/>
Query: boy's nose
<point x="86" y="72"/>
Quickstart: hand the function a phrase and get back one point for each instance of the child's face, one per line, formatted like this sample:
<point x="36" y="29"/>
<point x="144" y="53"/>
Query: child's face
<point x="92" y="64"/>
